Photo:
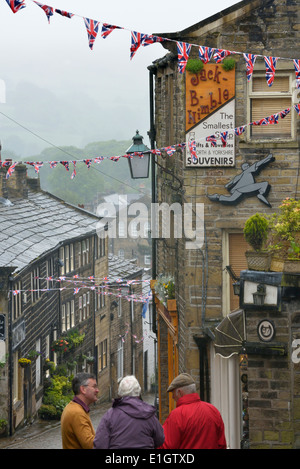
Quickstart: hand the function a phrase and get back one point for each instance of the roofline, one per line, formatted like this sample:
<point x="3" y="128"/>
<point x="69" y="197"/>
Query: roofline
<point x="211" y="19"/>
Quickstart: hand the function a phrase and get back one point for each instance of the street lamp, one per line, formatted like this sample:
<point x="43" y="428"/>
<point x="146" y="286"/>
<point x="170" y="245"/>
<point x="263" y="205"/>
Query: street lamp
<point x="140" y="158"/>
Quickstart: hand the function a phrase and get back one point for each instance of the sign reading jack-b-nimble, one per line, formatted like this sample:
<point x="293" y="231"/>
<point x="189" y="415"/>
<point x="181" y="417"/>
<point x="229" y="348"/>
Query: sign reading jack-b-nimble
<point x="210" y="111"/>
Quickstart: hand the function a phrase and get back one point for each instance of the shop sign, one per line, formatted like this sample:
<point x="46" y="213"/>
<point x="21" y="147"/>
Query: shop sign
<point x="210" y="110"/>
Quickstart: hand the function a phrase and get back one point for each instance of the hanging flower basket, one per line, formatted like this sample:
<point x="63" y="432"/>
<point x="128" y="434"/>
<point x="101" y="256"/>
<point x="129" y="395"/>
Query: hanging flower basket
<point x="24" y="362"/>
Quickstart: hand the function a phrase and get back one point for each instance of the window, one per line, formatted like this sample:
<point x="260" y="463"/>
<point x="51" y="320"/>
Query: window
<point x="83" y="252"/>
<point x="103" y="355"/>
<point x="134" y="229"/>
<point x="120" y="359"/>
<point x="121" y="253"/>
<point x="63" y="318"/>
<point x="121" y="229"/>
<point x="147" y="260"/>
<point x="35" y="284"/>
<point x="49" y="272"/>
<point x="17" y="300"/>
<point x="72" y="257"/>
<point x="72" y="314"/>
<point x="67" y="259"/>
<point x="38" y="365"/>
<point x="80" y="308"/>
<point x="62" y="259"/>
<point x="265" y="101"/>
<point x="67" y="316"/>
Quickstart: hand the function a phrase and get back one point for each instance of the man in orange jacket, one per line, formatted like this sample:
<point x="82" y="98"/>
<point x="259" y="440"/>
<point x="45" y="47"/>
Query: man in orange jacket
<point x="193" y="424"/>
<point x="76" y="427"/>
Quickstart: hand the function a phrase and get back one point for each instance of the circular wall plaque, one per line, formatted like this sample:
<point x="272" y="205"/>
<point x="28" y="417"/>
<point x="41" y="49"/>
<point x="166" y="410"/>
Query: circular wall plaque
<point x="266" y="330"/>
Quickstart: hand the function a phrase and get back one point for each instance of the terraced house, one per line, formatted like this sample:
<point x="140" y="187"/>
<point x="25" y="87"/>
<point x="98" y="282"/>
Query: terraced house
<point x="46" y="246"/>
<point x="236" y="136"/>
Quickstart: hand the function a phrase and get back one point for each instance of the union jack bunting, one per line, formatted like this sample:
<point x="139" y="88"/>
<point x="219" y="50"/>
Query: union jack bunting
<point x="250" y="61"/>
<point x="107" y="29"/>
<point x="37" y="165"/>
<point x="16" y="5"/>
<point x="212" y="139"/>
<point x="88" y="163"/>
<point x="220" y="54"/>
<point x="192" y="148"/>
<point x="273" y="119"/>
<point x="136" y="41"/>
<point x="64" y="13"/>
<point x="284" y="113"/>
<point x="156" y="152"/>
<point x="297" y="108"/>
<point x="263" y="121"/>
<point x="183" y="50"/>
<point x="48" y="10"/>
<point x="65" y="164"/>
<point x="53" y="164"/>
<point x="114" y="158"/>
<point x="170" y="150"/>
<point x="74" y="170"/>
<point x="5" y="163"/>
<point x="76" y="290"/>
<point x="239" y="130"/>
<point x="92" y="30"/>
<point x="224" y="136"/>
<point x="297" y="70"/>
<point x="149" y="39"/>
<point x="11" y="170"/>
<point x="271" y="63"/>
<point x="98" y="159"/>
<point x="205" y="54"/>
<point x="16" y="292"/>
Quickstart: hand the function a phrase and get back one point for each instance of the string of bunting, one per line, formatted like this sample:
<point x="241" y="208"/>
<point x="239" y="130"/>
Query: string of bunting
<point x="169" y="150"/>
<point x="139" y="39"/>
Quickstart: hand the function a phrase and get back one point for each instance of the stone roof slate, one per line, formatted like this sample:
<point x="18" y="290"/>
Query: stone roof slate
<point x="32" y="226"/>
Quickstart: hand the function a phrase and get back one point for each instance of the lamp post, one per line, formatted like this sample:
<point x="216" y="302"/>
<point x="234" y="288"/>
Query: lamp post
<point x="139" y="159"/>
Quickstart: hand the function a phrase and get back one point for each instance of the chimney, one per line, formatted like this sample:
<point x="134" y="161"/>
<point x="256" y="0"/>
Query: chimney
<point x="16" y="185"/>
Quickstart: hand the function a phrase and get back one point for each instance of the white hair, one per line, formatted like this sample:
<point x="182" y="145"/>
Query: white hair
<point x="129" y="386"/>
<point x="189" y="389"/>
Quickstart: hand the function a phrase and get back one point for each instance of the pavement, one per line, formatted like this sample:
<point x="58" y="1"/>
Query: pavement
<point x="42" y="434"/>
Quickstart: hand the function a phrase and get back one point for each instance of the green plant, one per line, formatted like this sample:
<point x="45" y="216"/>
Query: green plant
<point x="48" y="412"/>
<point x="165" y="288"/>
<point x="194" y="65"/>
<point x="3" y="423"/>
<point x="285" y="228"/>
<point x="24" y="362"/>
<point x="256" y="231"/>
<point x="228" y="64"/>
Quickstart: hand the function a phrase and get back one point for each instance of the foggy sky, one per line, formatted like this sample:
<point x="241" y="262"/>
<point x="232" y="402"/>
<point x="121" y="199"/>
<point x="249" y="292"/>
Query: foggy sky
<point x="67" y="94"/>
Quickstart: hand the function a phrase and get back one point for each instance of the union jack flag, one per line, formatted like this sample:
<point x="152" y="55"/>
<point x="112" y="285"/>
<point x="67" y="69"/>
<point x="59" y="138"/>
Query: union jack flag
<point x="271" y="63"/>
<point x="64" y="13"/>
<point x="98" y="159"/>
<point x="170" y="150"/>
<point x="136" y="41"/>
<point x="11" y="170"/>
<point x="273" y="119"/>
<point x="239" y="130"/>
<point x="284" y="113"/>
<point x="205" y="54"/>
<point x="88" y="163"/>
<point x="48" y="10"/>
<point x="263" y="121"/>
<point x="183" y="50"/>
<point x="16" y="292"/>
<point x="74" y="170"/>
<point x="250" y="61"/>
<point x="16" y="5"/>
<point x="65" y="164"/>
<point x="224" y="136"/>
<point x="76" y="290"/>
<point x="297" y="108"/>
<point x="220" y="54"/>
<point x="5" y="163"/>
<point x="149" y="39"/>
<point x="212" y="139"/>
<point x="192" y="148"/>
<point x="37" y="165"/>
<point x="297" y="70"/>
<point x="114" y="158"/>
<point x="107" y="29"/>
<point x="92" y="30"/>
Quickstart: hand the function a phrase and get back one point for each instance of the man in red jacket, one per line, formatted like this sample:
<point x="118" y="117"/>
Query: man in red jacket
<point x="194" y="424"/>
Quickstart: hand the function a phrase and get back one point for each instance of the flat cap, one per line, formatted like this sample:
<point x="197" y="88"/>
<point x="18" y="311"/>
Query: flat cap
<point x="184" y="379"/>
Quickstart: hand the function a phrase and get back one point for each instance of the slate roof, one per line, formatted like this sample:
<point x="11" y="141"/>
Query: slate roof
<point x="32" y="226"/>
<point x="122" y="268"/>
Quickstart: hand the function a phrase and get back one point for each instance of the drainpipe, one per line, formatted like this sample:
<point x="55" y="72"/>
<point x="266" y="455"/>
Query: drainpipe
<point x="10" y="357"/>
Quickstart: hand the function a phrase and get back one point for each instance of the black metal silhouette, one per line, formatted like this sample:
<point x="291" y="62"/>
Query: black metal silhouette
<point x="244" y="185"/>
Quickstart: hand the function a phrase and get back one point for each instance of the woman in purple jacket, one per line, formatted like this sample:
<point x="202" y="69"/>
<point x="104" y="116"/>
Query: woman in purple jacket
<point x="131" y="422"/>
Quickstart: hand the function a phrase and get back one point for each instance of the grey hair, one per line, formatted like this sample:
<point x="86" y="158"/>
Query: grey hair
<point x="129" y="386"/>
<point x="81" y="379"/>
<point x="189" y="389"/>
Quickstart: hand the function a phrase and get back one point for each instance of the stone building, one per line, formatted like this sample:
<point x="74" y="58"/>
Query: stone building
<point x="51" y="265"/>
<point x="189" y="107"/>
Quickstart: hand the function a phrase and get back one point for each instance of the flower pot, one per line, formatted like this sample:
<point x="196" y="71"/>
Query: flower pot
<point x="258" y="260"/>
<point x="291" y="266"/>
<point x="276" y="264"/>
<point x="171" y="305"/>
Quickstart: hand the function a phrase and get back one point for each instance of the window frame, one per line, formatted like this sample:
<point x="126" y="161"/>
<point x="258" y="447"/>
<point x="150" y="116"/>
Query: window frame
<point x="260" y="72"/>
